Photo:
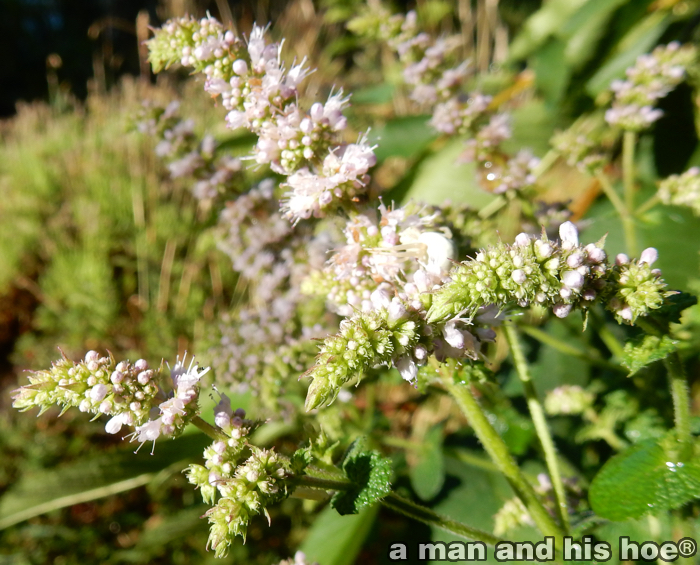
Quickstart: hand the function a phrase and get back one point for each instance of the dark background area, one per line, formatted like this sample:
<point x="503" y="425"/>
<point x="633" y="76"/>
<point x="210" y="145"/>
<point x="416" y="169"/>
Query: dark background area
<point x="93" y="38"/>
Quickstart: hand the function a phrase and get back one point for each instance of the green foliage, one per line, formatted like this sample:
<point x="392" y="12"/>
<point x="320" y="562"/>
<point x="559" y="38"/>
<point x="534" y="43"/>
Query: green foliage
<point x="371" y="475"/>
<point x="428" y="472"/>
<point x="646" y="478"/>
<point x="646" y="350"/>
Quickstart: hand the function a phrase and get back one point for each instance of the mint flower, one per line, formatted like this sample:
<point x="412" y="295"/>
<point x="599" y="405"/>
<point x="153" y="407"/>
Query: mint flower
<point x="682" y="190"/>
<point x="97" y="385"/>
<point x="562" y="275"/>
<point x="364" y="341"/>
<point x="261" y="95"/>
<point x="240" y="480"/>
<point x="127" y="392"/>
<point x="383" y="251"/>
<point x="181" y="406"/>
<point x="568" y="399"/>
<point x="652" y="77"/>
<point x="638" y="288"/>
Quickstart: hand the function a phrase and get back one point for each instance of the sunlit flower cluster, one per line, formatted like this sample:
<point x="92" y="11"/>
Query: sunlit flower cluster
<point x="261" y="95"/>
<point x="407" y="249"/>
<point x="682" y="190"/>
<point x="212" y="175"/>
<point x="238" y="479"/>
<point x="652" y="77"/>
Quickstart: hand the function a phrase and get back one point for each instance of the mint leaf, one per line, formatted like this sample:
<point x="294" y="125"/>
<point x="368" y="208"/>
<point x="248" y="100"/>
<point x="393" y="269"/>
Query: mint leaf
<point x="428" y="473"/>
<point x="371" y="474"/>
<point x="644" y="351"/>
<point x="647" y="477"/>
<point x="673" y="307"/>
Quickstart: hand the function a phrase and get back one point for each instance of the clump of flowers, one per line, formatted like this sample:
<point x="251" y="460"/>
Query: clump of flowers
<point x="568" y="399"/>
<point x="585" y="144"/>
<point x="682" y="190"/>
<point x="652" y="77"/>
<point x="187" y="156"/>
<point x="129" y="393"/>
<point x="562" y="275"/>
<point x="261" y="95"/>
<point x="638" y="288"/>
<point x="404" y="248"/>
<point x="239" y="479"/>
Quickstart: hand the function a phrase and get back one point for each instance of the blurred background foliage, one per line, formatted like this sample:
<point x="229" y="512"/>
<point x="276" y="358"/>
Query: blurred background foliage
<point x="99" y="248"/>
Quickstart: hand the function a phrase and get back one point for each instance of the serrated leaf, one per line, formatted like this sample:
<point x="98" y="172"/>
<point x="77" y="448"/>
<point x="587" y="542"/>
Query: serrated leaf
<point x="673" y="307"/>
<point x="428" y="473"/>
<point x="647" y="350"/>
<point x="300" y="460"/>
<point x="645" y="478"/>
<point x="371" y="474"/>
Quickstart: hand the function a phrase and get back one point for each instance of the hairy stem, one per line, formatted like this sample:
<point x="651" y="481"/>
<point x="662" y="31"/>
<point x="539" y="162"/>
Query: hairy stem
<point x="678" y="385"/>
<point x="427" y="516"/>
<point x="538" y="418"/>
<point x="681" y="401"/>
<point x="623" y="210"/>
<point x="404" y="506"/>
<point x="629" y="140"/>
<point x="208" y="429"/>
<point x="498" y="451"/>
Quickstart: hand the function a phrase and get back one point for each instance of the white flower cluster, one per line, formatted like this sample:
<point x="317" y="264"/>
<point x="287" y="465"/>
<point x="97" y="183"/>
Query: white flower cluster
<point x="261" y="95"/>
<point x="402" y="251"/>
<point x="172" y="415"/>
<point x="127" y="392"/>
<point x="682" y="190"/>
<point x="434" y="70"/>
<point x="651" y="78"/>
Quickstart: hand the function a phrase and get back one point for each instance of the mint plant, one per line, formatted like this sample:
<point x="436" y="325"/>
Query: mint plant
<point x="439" y="294"/>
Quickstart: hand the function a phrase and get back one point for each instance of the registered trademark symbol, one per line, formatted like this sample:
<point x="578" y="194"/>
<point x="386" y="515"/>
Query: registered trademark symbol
<point x="687" y="547"/>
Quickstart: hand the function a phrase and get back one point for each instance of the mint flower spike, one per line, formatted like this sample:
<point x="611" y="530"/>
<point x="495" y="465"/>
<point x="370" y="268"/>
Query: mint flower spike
<point x="682" y="190"/>
<point x="261" y="95"/>
<point x="562" y="275"/>
<point x="651" y="78"/>
<point x="127" y="392"/>
<point x="238" y="479"/>
<point x="637" y="288"/>
<point x="97" y="385"/>
<point x="385" y="335"/>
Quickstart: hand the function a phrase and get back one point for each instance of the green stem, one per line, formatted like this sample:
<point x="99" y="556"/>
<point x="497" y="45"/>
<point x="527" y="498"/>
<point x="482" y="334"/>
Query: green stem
<point x="498" y="451"/>
<point x="427" y="516"/>
<point x="679" y="389"/>
<point x="629" y="140"/>
<point x="404" y="506"/>
<point x="612" y="194"/>
<point x="538" y="418"/>
<point x="623" y="211"/>
<point x="648" y="205"/>
<point x="681" y="402"/>
<point x="208" y="429"/>
<point x="492" y="207"/>
<point x="546" y="163"/>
